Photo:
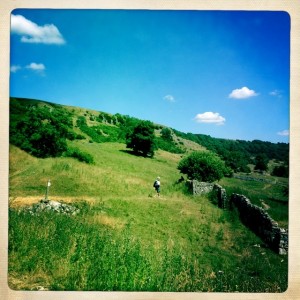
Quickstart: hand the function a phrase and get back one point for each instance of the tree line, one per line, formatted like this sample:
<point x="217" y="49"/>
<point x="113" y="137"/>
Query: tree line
<point x="238" y="154"/>
<point x="43" y="128"/>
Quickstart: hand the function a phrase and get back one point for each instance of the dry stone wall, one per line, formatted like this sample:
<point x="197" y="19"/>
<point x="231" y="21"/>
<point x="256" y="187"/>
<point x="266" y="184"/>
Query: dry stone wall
<point x="200" y="188"/>
<point x="253" y="216"/>
<point x="259" y="221"/>
<point x="221" y="196"/>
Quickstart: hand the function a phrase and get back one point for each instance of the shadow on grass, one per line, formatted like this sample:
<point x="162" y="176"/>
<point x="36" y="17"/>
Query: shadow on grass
<point x="138" y="154"/>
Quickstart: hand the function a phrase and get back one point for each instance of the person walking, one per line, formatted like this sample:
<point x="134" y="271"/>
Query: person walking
<point x="156" y="185"/>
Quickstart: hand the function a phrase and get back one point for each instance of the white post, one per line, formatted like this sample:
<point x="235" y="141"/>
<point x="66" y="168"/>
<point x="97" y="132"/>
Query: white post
<point x="47" y="189"/>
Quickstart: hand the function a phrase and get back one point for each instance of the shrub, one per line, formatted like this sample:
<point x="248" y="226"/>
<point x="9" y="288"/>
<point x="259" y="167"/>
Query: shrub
<point x="80" y="155"/>
<point x="166" y="134"/>
<point x="168" y="145"/>
<point x="203" y="166"/>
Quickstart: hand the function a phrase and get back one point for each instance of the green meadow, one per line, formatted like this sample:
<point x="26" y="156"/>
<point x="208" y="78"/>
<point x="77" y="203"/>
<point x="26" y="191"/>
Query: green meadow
<point x="125" y="238"/>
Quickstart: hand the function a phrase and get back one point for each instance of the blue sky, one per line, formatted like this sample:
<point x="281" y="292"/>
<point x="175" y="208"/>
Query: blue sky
<point x="222" y="73"/>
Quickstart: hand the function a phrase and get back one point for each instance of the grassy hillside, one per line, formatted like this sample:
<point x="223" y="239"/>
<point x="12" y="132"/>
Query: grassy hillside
<point x="124" y="238"/>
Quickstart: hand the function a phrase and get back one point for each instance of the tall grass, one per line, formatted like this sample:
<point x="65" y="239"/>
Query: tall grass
<point x="59" y="252"/>
<point x="125" y="238"/>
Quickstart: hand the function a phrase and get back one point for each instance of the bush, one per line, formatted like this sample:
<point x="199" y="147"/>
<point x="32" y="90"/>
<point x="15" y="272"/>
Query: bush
<point x="203" y="166"/>
<point x="166" y="134"/>
<point x="168" y="146"/>
<point x="80" y="155"/>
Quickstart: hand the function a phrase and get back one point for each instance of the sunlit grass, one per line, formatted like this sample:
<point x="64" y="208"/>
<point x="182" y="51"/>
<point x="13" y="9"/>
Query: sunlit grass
<point x="125" y="238"/>
<point x="114" y="245"/>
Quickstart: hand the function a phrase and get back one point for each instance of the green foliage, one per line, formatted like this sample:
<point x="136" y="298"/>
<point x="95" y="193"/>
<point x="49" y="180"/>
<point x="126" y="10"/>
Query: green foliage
<point x="167" y="145"/>
<point x="236" y="160"/>
<point x="246" y="149"/>
<point x="261" y="162"/>
<point x="41" y="131"/>
<point x="81" y="123"/>
<point x="166" y="134"/>
<point x="108" y="133"/>
<point x="281" y="171"/>
<point x="80" y="155"/>
<point x="141" y="140"/>
<point x="127" y="124"/>
<point x="203" y="166"/>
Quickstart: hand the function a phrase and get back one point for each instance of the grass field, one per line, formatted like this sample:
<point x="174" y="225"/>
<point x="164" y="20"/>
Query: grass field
<point x="125" y="238"/>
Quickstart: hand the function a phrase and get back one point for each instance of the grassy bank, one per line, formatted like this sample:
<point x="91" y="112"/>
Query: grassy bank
<point x="158" y="246"/>
<point x="125" y="238"/>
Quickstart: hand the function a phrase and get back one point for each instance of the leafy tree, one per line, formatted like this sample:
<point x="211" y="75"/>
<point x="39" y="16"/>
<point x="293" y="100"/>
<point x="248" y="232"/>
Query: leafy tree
<point x="248" y="149"/>
<point x="42" y="131"/>
<point x="141" y="139"/>
<point x="203" y="166"/>
<point x="261" y="162"/>
<point x="236" y="160"/>
<point x="281" y="171"/>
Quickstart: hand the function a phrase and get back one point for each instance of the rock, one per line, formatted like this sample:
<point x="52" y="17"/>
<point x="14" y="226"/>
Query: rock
<point x="53" y="206"/>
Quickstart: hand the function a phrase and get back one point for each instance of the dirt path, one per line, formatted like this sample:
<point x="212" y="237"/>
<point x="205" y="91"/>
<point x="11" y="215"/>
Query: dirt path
<point x="15" y="202"/>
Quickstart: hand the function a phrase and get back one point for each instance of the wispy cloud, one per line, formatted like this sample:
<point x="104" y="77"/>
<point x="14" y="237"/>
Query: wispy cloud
<point x="242" y="93"/>
<point x="15" y="68"/>
<point x="169" y="98"/>
<point x="276" y="93"/>
<point x="30" y="32"/>
<point x="36" y="67"/>
<point x="210" y="117"/>
<point x="285" y="132"/>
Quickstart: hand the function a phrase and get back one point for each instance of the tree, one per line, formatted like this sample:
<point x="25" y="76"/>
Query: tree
<point x="203" y="166"/>
<point x="42" y="131"/>
<point x="236" y="160"/>
<point x="261" y="162"/>
<point x="141" y="139"/>
<point x="281" y="171"/>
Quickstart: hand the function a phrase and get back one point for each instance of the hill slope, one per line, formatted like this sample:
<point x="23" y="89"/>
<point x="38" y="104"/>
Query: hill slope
<point x="80" y="123"/>
<point x="126" y="238"/>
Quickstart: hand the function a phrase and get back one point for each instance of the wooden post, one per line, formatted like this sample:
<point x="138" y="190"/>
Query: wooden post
<point x="47" y="189"/>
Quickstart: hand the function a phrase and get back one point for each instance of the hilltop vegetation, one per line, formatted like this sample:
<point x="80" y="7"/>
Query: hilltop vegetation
<point x="54" y="124"/>
<point x="125" y="238"/>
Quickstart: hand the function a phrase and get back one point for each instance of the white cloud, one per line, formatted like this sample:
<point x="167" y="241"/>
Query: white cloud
<point x="36" y="67"/>
<point x="210" y="117"/>
<point x="275" y="93"/>
<point x="169" y="98"/>
<point x="32" y="33"/>
<point x="15" y="68"/>
<point x="284" y="132"/>
<point x="242" y="93"/>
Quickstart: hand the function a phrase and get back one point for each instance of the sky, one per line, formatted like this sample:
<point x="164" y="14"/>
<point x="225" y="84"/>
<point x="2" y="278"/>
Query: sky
<point x="221" y="73"/>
